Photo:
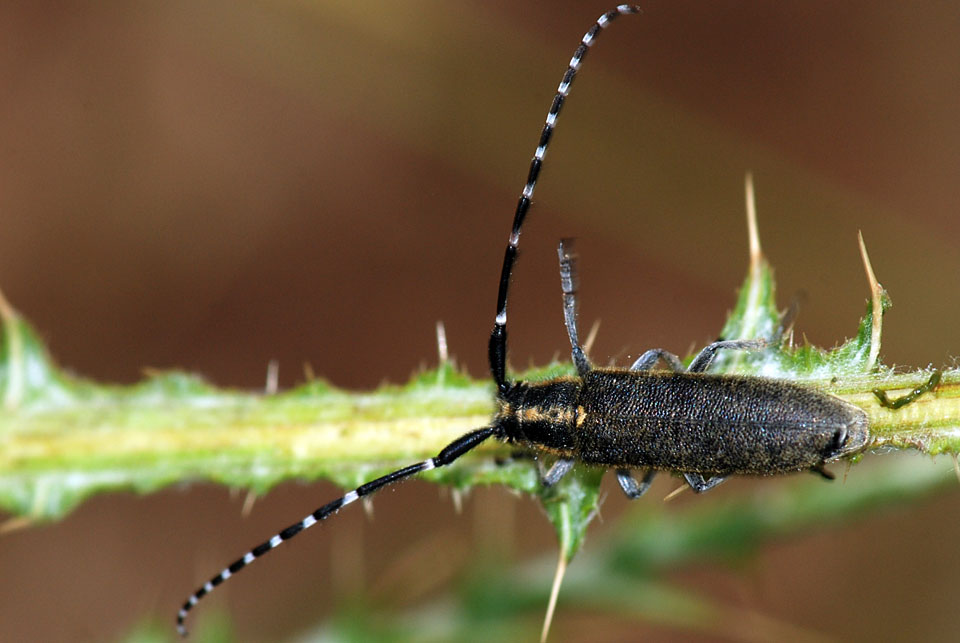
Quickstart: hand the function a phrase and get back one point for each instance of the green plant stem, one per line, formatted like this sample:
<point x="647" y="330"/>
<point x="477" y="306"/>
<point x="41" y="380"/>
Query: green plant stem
<point x="173" y="427"/>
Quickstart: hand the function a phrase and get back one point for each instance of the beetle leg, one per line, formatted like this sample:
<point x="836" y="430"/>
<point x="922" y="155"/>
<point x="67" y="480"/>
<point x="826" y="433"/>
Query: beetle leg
<point x="649" y="359"/>
<point x="700" y="484"/>
<point x="559" y="469"/>
<point x="631" y="488"/>
<point x="823" y="472"/>
<point x="568" y="283"/>
<point x="705" y="357"/>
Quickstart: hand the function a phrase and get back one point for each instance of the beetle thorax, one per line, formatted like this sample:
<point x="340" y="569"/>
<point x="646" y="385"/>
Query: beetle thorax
<point x="541" y="415"/>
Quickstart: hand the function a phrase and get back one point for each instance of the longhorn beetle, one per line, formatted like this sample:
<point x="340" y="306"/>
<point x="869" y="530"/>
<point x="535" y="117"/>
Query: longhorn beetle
<point x="704" y="427"/>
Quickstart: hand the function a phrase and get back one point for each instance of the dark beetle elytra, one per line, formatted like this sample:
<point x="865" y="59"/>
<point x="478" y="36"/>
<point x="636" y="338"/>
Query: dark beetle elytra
<point x="701" y="426"/>
<point x="690" y="423"/>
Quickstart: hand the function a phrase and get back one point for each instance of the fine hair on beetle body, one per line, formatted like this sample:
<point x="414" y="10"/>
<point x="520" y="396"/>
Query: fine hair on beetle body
<point x="684" y="420"/>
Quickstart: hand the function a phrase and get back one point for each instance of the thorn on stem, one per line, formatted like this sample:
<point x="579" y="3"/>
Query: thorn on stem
<point x="753" y="234"/>
<point x="442" y="351"/>
<point x="273" y="378"/>
<point x="876" y="304"/>
<point x="591" y="337"/>
<point x="676" y="492"/>
<point x="248" y="502"/>
<point x="554" y="594"/>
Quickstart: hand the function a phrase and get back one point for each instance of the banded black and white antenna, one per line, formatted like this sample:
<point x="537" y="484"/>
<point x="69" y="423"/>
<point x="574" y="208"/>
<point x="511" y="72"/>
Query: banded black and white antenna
<point x="450" y="453"/>
<point x="497" y="346"/>
<point x="498" y="338"/>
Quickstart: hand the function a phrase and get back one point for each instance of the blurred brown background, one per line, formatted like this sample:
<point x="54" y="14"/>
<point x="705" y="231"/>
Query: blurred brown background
<point x="214" y="185"/>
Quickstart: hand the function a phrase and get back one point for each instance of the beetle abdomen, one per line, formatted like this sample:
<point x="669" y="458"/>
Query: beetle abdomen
<point x="711" y="424"/>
